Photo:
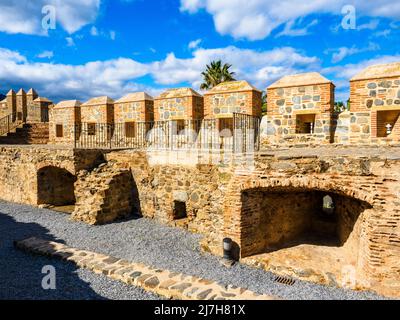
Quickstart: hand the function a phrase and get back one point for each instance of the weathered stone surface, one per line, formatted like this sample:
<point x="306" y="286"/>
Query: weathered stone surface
<point x="162" y="282"/>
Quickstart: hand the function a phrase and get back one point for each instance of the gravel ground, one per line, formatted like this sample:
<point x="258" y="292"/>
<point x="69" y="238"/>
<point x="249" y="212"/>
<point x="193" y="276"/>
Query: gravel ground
<point x="142" y="241"/>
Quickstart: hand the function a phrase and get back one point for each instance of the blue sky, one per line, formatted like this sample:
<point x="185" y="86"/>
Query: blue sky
<point x="103" y="47"/>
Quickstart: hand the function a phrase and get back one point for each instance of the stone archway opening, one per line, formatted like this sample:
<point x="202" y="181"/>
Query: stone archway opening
<point x="303" y="233"/>
<point x="56" y="187"/>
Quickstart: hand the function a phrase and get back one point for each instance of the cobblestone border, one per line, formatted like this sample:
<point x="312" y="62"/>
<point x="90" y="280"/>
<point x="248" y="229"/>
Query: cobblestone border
<point x="162" y="282"/>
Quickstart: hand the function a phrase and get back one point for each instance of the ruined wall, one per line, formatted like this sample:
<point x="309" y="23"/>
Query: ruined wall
<point x="374" y="241"/>
<point x="365" y="186"/>
<point x="19" y="168"/>
<point x="200" y="187"/>
<point x="288" y="107"/>
<point x="106" y="194"/>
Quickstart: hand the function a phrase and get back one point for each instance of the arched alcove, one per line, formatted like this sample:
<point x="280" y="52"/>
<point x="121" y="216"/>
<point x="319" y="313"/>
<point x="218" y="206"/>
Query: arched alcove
<point x="55" y="186"/>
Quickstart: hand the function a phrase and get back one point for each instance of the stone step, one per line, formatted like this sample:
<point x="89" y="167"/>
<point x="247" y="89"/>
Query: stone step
<point x="35" y="133"/>
<point x="162" y="282"/>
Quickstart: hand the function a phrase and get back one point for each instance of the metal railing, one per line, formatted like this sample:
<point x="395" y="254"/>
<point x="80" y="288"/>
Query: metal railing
<point x="237" y="134"/>
<point x="7" y="124"/>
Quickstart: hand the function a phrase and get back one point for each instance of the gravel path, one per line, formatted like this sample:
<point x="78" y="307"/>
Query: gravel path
<point x="142" y="241"/>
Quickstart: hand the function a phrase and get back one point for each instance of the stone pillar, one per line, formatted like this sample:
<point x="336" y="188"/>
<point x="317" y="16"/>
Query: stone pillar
<point x="12" y="104"/>
<point x="31" y="96"/>
<point x="21" y="105"/>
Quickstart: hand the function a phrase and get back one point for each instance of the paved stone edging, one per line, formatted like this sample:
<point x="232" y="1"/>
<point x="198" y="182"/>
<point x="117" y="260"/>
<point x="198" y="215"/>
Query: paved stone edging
<point x="163" y="282"/>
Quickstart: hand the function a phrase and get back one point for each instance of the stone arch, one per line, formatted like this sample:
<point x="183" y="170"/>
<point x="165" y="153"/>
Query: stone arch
<point x="55" y="186"/>
<point x="238" y="220"/>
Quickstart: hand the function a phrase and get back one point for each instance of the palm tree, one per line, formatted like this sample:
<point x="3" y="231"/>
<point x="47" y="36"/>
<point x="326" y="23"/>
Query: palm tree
<point x="264" y="103"/>
<point x="215" y="74"/>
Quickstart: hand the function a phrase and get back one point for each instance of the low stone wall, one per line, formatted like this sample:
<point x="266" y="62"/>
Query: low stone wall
<point x="200" y="188"/>
<point x="170" y="284"/>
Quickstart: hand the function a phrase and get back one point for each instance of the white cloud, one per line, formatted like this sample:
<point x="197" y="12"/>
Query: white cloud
<point x="290" y="31"/>
<point x="372" y="25"/>
<point x="117" y="77"/>
<point x="112" y="77"/>
<point x="343" y="52"/>
<point x="112" y="35"/>
<point x="94" y="32"/>
<point x="251" y="65"/>
<point x="344" y="73"/>
<point x="46" y="55"/>
<point x="256" y="19"/>
<point x="25" y="16"/>
<point x="194" y="44"/>
<point x="70" y="42"/>
<point x="384" y="33"/>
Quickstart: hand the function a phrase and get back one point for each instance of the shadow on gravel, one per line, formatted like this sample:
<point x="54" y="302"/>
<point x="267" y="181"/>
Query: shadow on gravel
<point x="21" y="273"/>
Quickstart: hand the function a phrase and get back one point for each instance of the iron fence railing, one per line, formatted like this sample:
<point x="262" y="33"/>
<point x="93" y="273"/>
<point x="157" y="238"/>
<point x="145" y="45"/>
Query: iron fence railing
<point x="7" y="124"/>
<point x="237" y="134"/>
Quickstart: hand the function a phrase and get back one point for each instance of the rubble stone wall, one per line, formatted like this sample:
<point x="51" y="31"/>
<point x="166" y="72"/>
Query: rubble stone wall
<point x="20" y="166"/>
<point x="134" y="111"/>
<point x="373" y="104"/>
<point x="105" y="194"/>
<point x="66" y="117"/>
<point x="226" y="201"/>
<point x="286" y="107"/>
<point x="372" y="185"/>
<point x="182" y="108"/>
<point x="223" y="105"/>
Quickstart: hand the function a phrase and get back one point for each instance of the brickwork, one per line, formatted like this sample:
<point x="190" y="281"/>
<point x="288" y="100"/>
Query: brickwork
<point x="63" y="118"/>
<point x="300" y="110"/>
<point x="179" y="104"/>
<point x="232" y="97"/>
<point x="375" y="104"/>
<point x="232" y="201"/>
<point x="134" y="107"/>
<point x="366" y="194"/>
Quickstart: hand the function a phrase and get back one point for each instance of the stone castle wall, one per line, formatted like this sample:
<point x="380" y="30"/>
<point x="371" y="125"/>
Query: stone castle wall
<point x="182" y="108"/>
<point x="286" y="108"/>
<point x="19" y="169"/>
<point x="373" y="103"/>
<point x="134" y="111"/>
<point x="67" y="117"/>
<point x="222" y="201"/>
<point x="224" y="104"/>
<point x="365" y="186"/>
<point x="97" y="113"/>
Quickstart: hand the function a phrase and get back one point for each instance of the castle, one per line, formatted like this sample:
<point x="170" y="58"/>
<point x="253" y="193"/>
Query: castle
<point x="300" y="110"/>
<point x="320" y="203"/>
